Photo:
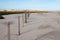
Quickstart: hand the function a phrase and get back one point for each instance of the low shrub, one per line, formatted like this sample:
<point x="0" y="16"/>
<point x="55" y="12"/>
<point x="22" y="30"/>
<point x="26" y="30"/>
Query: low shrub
<point x="1" y="17"/>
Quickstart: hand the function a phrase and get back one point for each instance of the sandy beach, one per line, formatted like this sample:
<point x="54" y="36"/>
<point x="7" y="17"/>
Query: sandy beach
<point x="44" y="26"/>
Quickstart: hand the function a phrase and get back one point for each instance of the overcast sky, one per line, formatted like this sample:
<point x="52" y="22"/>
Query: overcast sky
<point x="30" y="4"/>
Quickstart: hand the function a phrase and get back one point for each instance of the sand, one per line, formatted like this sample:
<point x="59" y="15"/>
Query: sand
<point x="44" y="26"/>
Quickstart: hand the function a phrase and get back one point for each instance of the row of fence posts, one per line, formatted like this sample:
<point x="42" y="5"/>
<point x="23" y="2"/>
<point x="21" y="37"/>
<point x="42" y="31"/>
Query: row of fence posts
<point x="8" y="25"/>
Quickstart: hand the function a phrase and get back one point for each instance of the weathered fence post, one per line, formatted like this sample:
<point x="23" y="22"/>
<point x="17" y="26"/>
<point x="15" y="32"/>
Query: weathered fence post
<point x="23" y="20"/>
<point x="25" y="17"/>
<point x="19" y="25"/>
<point x="8" y="25"/>
<point x="28" y="15"/>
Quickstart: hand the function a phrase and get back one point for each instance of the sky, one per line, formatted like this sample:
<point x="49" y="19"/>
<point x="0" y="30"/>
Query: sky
<point x="30" y="4"/>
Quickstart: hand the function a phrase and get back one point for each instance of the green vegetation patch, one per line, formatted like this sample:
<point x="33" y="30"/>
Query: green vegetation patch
<point x="1" y="17"/>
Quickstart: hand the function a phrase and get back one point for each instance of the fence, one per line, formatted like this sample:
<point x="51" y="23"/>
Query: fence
<point x="8" y="26"/>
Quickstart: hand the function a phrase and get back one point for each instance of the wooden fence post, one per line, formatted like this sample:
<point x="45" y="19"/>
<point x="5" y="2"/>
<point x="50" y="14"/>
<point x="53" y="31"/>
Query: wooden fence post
<point x="28" y="15"/>
<point x="19" y="25"/>
<point x="23" y="20"/>
<point x="8" y="25"/>
<point x="25" y="17"/>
